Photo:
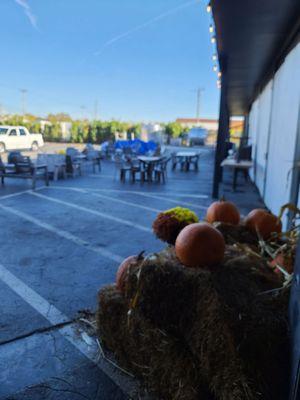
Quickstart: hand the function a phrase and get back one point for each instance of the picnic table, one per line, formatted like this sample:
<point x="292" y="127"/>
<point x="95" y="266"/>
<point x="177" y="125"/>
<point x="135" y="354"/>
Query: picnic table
<point x="237" y="166"/>
<point x="24" y="170"/>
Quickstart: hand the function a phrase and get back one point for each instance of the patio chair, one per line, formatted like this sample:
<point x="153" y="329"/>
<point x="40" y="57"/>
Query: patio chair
<point x="244" y="153"/>
<point x="137" y="168"/>
<point x="160" y="170"/>
<point x="56" y="164"/>
<point x="93" y="156"/>
<point x="195" y="162"/>
<point x="176" y="160"/>
<point x="122" y="167"/>
<point x="73" y="167"/>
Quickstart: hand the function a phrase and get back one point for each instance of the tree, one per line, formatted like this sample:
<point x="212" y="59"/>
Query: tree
<point x="59" y="117"/>
<point x="173" y="130"/>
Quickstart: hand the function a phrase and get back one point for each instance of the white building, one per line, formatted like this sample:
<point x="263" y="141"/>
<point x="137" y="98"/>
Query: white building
<point x="259" y="58"/>
<point x="152" y="131"/>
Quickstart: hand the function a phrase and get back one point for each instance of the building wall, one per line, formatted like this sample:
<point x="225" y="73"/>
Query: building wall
<point x="274" y="128"/>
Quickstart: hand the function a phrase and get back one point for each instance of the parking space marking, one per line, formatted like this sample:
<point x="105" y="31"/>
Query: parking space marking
<point x="102" y="196"/>
<point x="94" y="212"/>
<point x="69" y="332"/>
<point x="8" y="196"/>
<point x="173" y="194"/>
<point x="183" y="203"/>
<point x="64" y="234"/>
<point x="47" y="310"/>
<point x="89" y="189"/>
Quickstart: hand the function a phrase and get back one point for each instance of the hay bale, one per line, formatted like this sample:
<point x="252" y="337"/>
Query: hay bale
<point x="199" y="327"/>
<point x="162" y="361"/>
<point x="236" y="234"/>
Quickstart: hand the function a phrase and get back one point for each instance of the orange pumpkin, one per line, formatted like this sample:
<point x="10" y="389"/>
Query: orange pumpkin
<point x="284" y="261"/>
<point x="263" y="222"/>
<point x="200" y="245"/>
<point x="223" y="211"/>
<point x="123" y="270"/>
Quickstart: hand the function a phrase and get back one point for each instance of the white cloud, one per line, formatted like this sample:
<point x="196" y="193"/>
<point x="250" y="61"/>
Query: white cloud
<point x="29" y="14"/>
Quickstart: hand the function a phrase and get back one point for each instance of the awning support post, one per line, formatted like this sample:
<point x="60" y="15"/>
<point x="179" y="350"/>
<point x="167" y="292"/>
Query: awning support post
<point x="223" y="135"/>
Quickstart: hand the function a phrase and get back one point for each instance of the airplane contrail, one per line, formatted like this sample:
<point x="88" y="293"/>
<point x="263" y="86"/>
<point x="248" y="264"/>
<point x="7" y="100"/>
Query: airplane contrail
<point x="145" y="25"/>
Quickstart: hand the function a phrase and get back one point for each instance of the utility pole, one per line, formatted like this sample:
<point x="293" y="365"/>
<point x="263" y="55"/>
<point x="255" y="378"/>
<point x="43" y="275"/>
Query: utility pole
<point x="199" y="94"/>
<point x="23" y="100"/>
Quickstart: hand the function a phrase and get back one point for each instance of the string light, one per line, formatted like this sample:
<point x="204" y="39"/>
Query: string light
<point x="219" y="74"/>
<point x="208" y="7"/>
<point x="214" y="57"/>
<point x="211" y="28"/>
<point x="213" y="39"/>
<point x="215" y="68"/>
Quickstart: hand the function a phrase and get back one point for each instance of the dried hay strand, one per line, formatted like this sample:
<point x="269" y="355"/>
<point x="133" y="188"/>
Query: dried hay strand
<point x="184" y="329"/>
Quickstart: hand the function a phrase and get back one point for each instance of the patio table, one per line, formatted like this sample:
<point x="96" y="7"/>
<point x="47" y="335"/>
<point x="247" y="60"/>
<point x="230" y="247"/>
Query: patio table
<point x="237" y="165"/>
<point x="149" y="162"/>
<point x="185" y="158"/>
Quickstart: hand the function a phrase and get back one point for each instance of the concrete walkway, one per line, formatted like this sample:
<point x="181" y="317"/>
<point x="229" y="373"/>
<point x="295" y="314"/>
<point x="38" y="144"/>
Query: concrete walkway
<point x="59" y="245"/>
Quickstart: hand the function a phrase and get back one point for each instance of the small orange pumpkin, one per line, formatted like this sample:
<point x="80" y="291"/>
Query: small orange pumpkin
<point x="223" y="211"/>
<point x="284" y="261"/>
<point x="200" y="245"/>
<point x="263" y="222"/>
<point x="123" y="270"/>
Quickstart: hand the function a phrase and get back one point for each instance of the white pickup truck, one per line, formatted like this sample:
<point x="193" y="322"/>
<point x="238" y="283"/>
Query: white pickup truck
<point x="19" y="138"/>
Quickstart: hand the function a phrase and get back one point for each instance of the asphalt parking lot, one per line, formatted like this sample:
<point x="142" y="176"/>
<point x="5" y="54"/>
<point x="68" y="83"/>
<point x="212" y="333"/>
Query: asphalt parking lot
<point x="59" y="246"/>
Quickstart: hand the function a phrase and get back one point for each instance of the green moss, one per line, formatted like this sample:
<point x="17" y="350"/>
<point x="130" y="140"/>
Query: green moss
<point x="182" y="215"/>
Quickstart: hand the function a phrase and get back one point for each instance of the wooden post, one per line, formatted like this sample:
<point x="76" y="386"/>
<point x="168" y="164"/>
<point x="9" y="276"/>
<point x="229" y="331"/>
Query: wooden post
<point x="223" y="135"/>
<point x="294" y="313"/>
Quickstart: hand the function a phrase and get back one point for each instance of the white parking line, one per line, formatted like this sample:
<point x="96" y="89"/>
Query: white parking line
<point x="70" y="332"/>
<point x="64" y="234"/>
<point x="178" y="203"/>
<point x="102" y="196"/>
<point x="8" y="196"/>
<point x="89" y="189"/>
<point x="173" y="194"/>
<point x="94" y="212"/>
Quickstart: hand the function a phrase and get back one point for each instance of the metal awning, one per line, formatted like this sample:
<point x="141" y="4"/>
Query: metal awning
<point x="253" y="36"/>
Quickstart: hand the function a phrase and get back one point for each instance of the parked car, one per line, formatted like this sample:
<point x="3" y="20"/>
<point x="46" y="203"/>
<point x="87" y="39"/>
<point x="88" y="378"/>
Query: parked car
<point x="196" y="137"/>
<point x="19" y="138"/>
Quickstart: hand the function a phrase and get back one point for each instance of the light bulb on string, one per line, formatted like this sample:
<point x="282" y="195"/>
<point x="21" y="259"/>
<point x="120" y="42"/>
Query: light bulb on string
<point x="213" y="39"/>
<point x="211" y="28"/>
<point x="208" y="7"/>
<point x="215" y="68"/>
<point x="219" y="74"/>
<point x="214" y="57"/>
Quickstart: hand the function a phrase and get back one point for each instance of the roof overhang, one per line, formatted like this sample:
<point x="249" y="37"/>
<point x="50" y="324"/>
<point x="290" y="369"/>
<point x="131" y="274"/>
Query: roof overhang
<point x="253" y="37"/>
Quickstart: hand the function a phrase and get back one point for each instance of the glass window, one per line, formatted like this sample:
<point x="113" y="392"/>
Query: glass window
<point x="13" y="132"/>
<point x="3" y="131"/>
<point x="22" y="132"/>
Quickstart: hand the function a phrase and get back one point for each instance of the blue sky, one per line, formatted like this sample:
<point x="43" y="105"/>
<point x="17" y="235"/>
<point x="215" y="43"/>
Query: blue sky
<point x="70" y="53"/>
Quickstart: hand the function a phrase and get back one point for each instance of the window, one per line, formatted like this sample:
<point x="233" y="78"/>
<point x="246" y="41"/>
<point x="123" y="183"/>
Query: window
<point x="13" y="132"/>
<point x="22" y="132"/>
<point x="3" y="131"/>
